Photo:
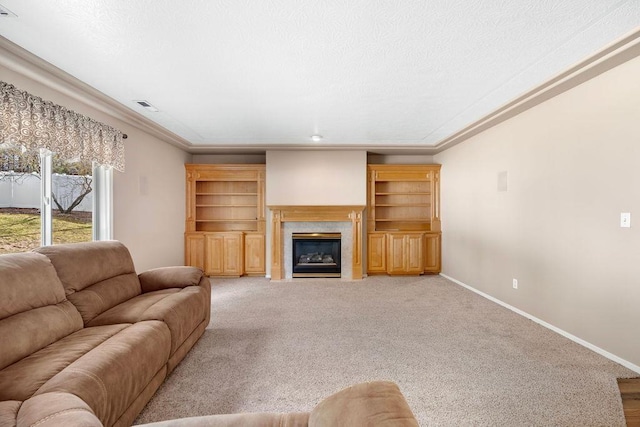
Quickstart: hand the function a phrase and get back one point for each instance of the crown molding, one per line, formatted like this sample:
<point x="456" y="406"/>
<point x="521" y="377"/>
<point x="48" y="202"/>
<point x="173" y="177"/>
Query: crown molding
<point x="25" y="63"/>
<point x="254" y="148"/>
<point x="15" y="58"/>
<point x="616" y="53"/>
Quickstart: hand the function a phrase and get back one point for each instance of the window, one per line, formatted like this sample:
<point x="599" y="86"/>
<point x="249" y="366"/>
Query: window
<point x="71" y="201"/>
<point x="45" y="200"/>
<point x="44" y="197"/>
<point x="20" y="215"/>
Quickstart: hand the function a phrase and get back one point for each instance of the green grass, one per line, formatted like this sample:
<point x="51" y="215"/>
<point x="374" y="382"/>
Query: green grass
<point x="20" y="232"/>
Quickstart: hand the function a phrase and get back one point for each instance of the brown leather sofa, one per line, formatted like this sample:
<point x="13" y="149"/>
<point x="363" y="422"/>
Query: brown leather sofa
<point x="84" y="340"/>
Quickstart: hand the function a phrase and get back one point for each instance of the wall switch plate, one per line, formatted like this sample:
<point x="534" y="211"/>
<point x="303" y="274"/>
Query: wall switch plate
<point x="625" y="219"/>
<point x="515" y="283"/>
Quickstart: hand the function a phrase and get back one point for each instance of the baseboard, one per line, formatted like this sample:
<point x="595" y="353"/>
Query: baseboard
<point x="541" y="322"/>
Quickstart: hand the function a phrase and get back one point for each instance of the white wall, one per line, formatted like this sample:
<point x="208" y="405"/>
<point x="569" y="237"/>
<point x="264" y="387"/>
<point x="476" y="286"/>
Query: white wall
<point x="148" y="197"/>
<point x="573" y="165"/>
<point x="149" y="201"/>
<point x="316" y="178"/>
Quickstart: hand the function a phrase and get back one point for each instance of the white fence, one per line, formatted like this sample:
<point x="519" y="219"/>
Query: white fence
<point x="19" y="190"/>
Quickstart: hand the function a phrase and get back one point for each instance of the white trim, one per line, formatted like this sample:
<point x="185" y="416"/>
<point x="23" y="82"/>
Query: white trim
<point x="102" y="203"/>
<point x="46" y="224"/>
<point x="555" y="329"/>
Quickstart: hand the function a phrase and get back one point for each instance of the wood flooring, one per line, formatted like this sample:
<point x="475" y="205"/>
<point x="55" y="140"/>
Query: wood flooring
<point x="630" y="393"/>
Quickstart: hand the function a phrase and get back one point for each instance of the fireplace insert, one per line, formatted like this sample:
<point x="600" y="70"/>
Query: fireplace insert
<point x="316" y="255"/>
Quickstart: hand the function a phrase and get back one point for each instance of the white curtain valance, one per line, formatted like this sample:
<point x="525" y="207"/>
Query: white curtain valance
<point x="30" y="121"/>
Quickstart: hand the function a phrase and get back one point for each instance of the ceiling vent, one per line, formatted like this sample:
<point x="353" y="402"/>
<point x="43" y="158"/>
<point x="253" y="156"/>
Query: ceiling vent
<point x="6" y="13"/>
<point x="147" y="106"/>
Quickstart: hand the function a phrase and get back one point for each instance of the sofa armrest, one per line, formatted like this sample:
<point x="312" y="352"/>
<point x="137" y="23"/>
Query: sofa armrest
<point x="378" y="403"/>
<point x="169" y="277"/>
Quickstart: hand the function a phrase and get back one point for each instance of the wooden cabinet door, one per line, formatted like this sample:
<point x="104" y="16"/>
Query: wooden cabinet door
<point x="405" y="253"/>
<point x="224" y="254"/>
<point x="233" y="259"/>
<point x="254" y="262"/>
<point x="377" y="253"/>
<point x="413" y="253"/>
<point x="396" y="259"/>
<point x="194" y="250"/>
<point x="214" y="254"/>
<point x="432" y="252"/>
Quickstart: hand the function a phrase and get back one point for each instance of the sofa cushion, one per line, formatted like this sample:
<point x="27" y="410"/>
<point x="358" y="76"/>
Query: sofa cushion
<point x="34" y="312"/>
<point x="100" y="297"/>
<point x="377" y="403"/>
<point x="96" y="275"/>
<point x="22" y="379"/>
<point x="9" y="412"/>
<point x="181" y="309"/>
<point x="294" y="419"/>
<point x="132" y="310"/>
<point x="55" y="410"/>
<point x="111" y="376"/>
<point x="28" y="281"/>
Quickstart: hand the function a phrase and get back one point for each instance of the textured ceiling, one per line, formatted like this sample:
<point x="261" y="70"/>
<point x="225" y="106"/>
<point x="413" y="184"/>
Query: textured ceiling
<point x="359" y="72"/>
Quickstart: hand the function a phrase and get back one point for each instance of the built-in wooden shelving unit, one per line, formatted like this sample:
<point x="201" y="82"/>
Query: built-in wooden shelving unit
<point x="225" y="221"/>
<point x="403" y="221"/>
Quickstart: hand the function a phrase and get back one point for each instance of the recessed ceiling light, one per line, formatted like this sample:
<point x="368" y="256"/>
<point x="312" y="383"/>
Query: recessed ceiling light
<point x="6" y="13"/>
<point x="147" y="106"/>
<point x="316" y="138"/>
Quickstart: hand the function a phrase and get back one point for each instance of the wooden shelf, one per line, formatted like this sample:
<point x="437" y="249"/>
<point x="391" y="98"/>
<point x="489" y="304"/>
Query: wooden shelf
<point x="226" y="220"/>
<point x="403" y="226"/>
<point x="403" y="219"/>
<point x="226" y="194"/>
<point x="403" y="193"/>
<point x="402" y="205"/>
<point x="225" y="205"/>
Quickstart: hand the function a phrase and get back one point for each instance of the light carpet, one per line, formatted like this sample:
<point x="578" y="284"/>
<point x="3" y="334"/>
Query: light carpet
<point x="458" y="358"/>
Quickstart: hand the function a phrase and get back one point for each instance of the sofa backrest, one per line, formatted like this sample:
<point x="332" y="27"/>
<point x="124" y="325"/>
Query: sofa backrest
<point x="34" y="311"/>
<point x="96" y="275"/>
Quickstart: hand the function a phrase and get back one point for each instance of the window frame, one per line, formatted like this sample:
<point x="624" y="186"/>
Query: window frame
<point x="102" y="205"/>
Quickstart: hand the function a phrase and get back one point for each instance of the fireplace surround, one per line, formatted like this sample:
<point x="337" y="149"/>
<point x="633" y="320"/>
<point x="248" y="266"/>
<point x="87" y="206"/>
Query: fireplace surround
<point x="350" y="216"/>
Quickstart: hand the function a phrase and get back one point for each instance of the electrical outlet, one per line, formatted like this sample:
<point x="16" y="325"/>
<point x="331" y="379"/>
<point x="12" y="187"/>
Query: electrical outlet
<point x="515" y="283"/>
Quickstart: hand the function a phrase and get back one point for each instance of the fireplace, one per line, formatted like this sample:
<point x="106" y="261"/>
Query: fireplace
<point x="316" y="254"/>
<point x="286" y="220"/>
